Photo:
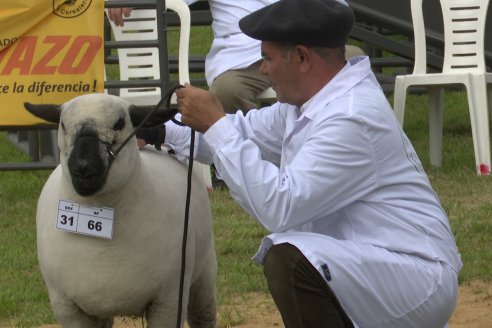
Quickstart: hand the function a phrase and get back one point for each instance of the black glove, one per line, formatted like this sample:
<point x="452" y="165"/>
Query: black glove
<point x="153" y="136"/>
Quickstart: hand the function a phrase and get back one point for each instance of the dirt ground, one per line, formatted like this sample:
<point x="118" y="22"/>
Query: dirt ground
<point x="474" y="310"/>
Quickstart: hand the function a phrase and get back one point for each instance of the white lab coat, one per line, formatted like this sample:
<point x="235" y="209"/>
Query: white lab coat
<point x="339" y="179"/>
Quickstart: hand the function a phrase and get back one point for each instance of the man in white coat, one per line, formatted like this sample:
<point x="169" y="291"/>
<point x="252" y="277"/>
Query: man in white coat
<point x="359" y="238"/>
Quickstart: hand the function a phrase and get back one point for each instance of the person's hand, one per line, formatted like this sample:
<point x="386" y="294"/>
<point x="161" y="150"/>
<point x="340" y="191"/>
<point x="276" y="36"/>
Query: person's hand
<point x="141" y="143"/>
<point x="199" y="108"/>
<point x="116" y="15"/>
<point x="153" y="136"/>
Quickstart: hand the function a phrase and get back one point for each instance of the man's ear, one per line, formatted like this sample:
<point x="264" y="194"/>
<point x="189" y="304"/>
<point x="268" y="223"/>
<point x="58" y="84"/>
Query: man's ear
<point x="303" y="56"/>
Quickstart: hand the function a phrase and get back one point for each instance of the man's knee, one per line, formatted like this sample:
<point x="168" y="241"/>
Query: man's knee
<point x="301" y="294"/>
<point x="237" y="89"/>
<point x="279" y="265"/>
<point x="227" y="88"/>
<point x="232" y="94"/>
<point x="225" y="83"/>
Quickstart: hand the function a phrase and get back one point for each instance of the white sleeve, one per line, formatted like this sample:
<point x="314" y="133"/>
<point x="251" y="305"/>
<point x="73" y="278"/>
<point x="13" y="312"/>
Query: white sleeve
<point x="263" y="127"/>
<point x="178" y="139"/>
<point x="332" y="166"/>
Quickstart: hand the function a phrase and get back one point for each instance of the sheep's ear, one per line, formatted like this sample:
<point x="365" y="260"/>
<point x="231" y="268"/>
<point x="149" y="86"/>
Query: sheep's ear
<point x="47" y="112"/>
<point x="158" y="117"/>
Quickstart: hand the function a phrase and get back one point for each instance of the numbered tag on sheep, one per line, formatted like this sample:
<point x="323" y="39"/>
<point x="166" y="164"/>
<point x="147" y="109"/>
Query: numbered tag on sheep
<point x="90" y="280"/>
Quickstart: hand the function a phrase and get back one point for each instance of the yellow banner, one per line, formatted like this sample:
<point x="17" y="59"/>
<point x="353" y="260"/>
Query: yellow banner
<point x="50" y="52"/>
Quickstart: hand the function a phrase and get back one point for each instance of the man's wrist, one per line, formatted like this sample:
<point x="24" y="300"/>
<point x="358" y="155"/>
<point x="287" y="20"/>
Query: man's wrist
<point x="218" y="134"/>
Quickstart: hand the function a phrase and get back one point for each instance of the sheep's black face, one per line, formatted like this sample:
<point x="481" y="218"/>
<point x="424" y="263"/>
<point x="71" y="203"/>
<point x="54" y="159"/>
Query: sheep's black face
<point x="87" y="167"/>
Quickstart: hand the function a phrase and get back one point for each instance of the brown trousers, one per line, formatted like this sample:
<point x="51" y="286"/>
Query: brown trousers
<point x="302" y="296"/>
<point x="237" y="89"/>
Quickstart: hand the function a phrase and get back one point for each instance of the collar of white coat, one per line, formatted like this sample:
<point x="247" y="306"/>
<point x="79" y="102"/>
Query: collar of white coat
<point x="355" y="70"/>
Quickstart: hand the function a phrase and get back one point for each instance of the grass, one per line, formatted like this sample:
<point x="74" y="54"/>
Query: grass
<point x="465" y="196"/>
<point x="21" y="287"/>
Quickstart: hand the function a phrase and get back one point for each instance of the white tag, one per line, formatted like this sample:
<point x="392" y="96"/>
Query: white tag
<point x="86" y="220"/>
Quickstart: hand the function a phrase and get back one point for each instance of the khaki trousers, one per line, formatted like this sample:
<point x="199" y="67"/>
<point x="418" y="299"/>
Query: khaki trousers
<point x="237" y="89"/>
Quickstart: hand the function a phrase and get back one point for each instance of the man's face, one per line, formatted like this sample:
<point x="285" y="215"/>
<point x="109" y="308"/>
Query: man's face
<point x="278" y="66"/>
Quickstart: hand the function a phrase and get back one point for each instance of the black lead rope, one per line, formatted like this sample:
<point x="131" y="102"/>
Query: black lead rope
<point x="185" y="230"/>
<point x="113" y="155"/>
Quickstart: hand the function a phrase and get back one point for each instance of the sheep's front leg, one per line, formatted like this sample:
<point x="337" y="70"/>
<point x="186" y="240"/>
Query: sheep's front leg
<point x="202" y="301"/>
<point x="69" y="315"/>
<point x="161" y="315"/>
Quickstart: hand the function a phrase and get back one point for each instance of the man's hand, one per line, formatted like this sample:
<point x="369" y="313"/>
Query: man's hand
<point x="199" y="108"/>
<point x="116" y="15"/>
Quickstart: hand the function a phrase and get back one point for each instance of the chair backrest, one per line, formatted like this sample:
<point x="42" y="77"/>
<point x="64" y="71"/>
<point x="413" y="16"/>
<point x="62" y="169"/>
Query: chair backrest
<point x="464" y="35"/>
<point x="143" y="63"/>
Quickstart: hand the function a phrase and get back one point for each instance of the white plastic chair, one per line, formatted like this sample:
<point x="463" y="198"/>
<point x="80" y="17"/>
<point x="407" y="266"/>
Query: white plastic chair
<point x="464" y="63"/>
<point x="143" y="63"/>
<point x="138" y="63"/>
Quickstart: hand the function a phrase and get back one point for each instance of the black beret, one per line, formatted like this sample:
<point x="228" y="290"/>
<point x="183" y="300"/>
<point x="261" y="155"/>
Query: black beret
<point x="323" y="23"/>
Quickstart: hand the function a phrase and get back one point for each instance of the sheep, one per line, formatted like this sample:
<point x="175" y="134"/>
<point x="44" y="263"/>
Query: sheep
<point x="91" y="279"/>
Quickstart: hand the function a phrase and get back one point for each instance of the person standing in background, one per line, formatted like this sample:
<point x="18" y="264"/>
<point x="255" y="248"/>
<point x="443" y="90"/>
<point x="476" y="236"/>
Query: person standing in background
<point x="233" y="61"/>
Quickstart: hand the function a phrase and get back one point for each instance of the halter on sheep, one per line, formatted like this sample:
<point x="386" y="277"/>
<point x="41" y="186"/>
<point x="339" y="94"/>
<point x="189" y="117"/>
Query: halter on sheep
<point x="142" y="116"/>
<point x="163" y="114"/>
<point x="86" y="180"/>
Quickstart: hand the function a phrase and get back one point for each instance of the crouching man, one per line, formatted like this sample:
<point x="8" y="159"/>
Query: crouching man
<point x="359" y="238"/>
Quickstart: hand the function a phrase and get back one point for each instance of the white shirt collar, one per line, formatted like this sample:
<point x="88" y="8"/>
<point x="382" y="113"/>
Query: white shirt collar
<point x="355" y="70"/>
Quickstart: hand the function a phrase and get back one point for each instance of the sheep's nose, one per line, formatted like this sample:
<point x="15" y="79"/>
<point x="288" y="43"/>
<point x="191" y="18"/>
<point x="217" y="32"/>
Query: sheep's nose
<point x="84" y="169"/>
<point x="86" y="165"/>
